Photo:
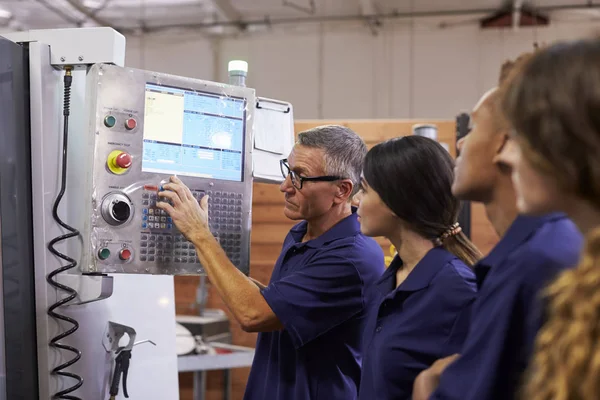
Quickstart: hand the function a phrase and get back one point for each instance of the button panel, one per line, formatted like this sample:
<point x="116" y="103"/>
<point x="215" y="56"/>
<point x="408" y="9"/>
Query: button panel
<point x="153" y="217"/>
<point x="119" y="126"/>
<point x="161" y="235"/>
<point x="119" y="121"/>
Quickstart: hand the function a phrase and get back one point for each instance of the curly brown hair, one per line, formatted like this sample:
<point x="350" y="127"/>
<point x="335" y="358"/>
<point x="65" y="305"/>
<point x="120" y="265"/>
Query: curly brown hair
<point x="554" y="107"/>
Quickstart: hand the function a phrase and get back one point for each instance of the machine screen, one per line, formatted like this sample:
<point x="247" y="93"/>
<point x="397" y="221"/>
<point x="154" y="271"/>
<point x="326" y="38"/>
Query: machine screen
<point x="193" y="133"/>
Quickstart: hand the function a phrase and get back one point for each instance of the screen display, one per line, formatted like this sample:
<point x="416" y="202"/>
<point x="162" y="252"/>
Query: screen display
<point x="193" y="133"/>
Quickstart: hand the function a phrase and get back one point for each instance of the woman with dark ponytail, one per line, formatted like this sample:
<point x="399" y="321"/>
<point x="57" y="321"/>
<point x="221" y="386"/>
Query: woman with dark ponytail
<point x="553" y="103"/>
<point x="421" y="305"/>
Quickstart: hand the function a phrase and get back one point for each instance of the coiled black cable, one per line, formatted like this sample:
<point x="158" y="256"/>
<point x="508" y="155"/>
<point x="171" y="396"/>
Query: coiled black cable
<point x="55" y="341"/>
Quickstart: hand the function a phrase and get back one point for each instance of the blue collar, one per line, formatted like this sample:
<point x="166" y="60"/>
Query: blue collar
<point x="348" y="226"/>
<point x="423" y="273"/>
<point x="521" y="230"/>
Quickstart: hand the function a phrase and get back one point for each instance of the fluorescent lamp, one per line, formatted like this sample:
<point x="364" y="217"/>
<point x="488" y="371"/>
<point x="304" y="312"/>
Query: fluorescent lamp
<point x="5" y="14"/>
<point x="93" y="4"/>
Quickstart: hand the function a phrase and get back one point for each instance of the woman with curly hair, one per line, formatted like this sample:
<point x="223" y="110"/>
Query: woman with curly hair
<point x="553" y="104"/>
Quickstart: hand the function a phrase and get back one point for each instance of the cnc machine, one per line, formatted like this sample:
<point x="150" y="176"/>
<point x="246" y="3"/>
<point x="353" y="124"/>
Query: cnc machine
<point x="87" y="259"/>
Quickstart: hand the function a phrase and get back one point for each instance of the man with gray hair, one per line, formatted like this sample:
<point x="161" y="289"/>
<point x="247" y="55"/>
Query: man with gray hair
<point x="310" y="316"/>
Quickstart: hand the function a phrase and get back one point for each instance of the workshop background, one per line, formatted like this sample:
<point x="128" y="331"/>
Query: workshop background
<point x="334" y="60"/>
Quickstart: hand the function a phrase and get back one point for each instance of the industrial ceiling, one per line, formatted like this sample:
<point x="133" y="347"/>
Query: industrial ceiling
<point x="225" y="16"/>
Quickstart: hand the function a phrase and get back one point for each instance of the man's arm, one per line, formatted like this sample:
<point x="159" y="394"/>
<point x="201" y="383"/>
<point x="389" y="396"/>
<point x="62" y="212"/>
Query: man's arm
<point x="257" y="283"/>
<point x="241" y="294"/>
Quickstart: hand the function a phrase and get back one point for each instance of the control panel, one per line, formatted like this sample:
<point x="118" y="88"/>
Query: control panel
<point x="144" y="128"/>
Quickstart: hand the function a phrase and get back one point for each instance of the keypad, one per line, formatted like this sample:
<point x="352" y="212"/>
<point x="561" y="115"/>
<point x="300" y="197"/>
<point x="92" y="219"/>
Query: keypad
<point x="225" y="221"/>
<point x="167" y="248"/>
<point x="153" y="217"/>
<point x="163" y="244"/>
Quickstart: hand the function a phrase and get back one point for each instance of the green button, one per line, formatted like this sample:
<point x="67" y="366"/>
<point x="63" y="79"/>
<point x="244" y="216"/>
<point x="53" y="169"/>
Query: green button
<point x="110" y="121"/>
<point x="103" y="254"/>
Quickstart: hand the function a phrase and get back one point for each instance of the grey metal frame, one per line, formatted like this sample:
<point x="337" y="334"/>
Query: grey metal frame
<point x="16" y="226"/>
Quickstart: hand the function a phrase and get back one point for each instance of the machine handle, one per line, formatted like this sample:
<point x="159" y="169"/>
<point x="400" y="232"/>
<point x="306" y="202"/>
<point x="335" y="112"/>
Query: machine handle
<point x="121" y="368"/>
<point x="287" y="109"/>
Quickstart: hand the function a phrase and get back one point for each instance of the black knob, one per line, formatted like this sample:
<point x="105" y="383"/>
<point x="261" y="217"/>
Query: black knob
<point x="121" y="211"/>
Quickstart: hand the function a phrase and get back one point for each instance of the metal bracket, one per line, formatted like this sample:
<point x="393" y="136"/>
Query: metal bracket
<point x="77" y="46"/>
<point x="114" y="333"/>
<point x="89" y="288"/>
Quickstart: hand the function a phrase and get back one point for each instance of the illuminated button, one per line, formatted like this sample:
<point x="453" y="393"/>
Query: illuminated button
<point x="125" y="254"/>
<point x="103" y="254"/>
<point x="145" y="211"/>
<point x="130" y="124"/>
<point x="152" y="188"/>
<point x="110" y="121"/>
<point x="144" y="218"/>
<point x="144" y="225"/>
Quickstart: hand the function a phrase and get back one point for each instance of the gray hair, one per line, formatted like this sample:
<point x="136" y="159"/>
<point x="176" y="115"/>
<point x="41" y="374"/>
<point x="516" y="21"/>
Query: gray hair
<point x="344" y="150"/>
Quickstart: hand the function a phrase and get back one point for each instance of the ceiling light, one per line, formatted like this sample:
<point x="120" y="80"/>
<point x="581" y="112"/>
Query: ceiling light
<point x="5" y="14"/>
<point x="93" y="4"/>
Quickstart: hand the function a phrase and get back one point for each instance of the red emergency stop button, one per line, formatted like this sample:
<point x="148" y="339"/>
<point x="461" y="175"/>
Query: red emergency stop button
<point x="118" y="162"/>
<point x="131" y="123"/>
<point x="123" y="160"/>
<point x="125" y="254"/>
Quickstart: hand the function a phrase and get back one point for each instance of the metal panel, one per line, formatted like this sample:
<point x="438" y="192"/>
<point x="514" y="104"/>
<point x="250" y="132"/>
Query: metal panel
<point x="146" y="303"/>
<point x="16" y="250"/>
<point x="117" y="95"/>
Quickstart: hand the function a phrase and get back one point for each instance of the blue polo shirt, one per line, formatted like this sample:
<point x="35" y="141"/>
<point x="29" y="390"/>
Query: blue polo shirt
<point x="508" y="311"/>
<point x="409" y="327"/>
<point x="318" y="292"/>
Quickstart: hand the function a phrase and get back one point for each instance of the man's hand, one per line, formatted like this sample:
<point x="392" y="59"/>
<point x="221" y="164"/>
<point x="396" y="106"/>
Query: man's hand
<point x="188" y="216"/>
<point x="429" y="379"/>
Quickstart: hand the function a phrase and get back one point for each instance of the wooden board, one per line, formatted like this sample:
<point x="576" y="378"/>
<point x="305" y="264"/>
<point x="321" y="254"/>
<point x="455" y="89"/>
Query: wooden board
<point x="270" y="226"/>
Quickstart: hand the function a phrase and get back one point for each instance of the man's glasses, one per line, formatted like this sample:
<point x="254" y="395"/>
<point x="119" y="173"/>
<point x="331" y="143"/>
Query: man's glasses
<point x="298" y="180"/>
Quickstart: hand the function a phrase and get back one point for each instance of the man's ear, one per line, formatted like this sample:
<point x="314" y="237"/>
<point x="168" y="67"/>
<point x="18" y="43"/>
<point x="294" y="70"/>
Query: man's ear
<point x="499" y="143"/>
<point x="343" y="191"/>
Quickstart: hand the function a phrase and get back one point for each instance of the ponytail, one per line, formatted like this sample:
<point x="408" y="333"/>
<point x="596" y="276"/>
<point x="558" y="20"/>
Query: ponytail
<point x="566" y="361"/>
<point x="459" y="245"/>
